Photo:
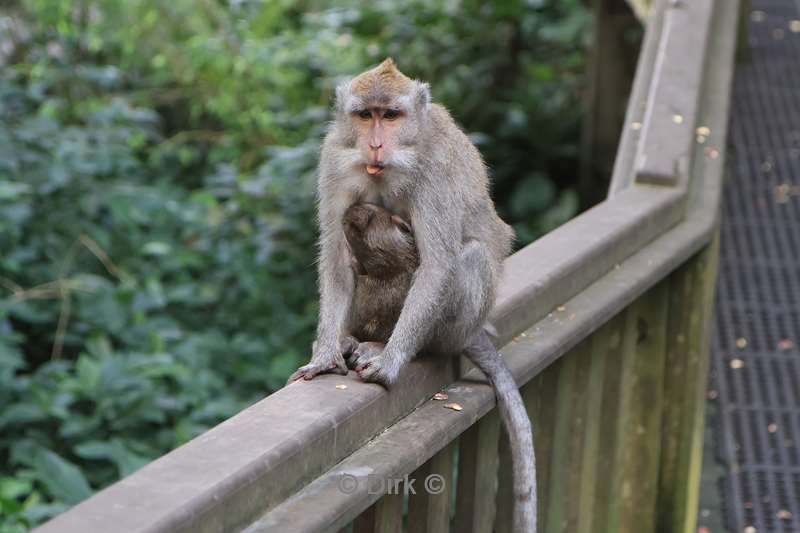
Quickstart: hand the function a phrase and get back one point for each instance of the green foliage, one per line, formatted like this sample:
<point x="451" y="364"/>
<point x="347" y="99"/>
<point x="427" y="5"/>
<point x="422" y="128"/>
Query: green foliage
<point x="157" y="172"/>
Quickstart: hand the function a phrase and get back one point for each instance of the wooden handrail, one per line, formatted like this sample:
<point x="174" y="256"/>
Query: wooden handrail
<point x="266" y="467"/>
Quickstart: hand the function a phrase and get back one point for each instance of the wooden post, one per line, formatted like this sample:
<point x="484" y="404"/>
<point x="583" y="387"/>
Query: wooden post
<point x="384" y="516"/>
<point x="570" y="404"/>
<point x="605" y="345"/>
<point x="428" y="511"/>
<point x="607" y="442"/>
<point x="639" y="426"/>
<point x="610" y="69"/>
<point x="690" y="305"/>
<point x="539" y="396"/>
<point x="477" y="475"/>
<point x="505" y="488"/>
<point x="742" y="45"/>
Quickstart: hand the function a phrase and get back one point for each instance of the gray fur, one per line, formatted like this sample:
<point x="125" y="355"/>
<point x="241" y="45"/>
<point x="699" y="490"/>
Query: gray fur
<point x="435" y="179"/>
<point x="387" y="261"/>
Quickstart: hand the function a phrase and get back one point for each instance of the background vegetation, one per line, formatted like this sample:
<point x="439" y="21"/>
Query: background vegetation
<point x="157" y="178"/>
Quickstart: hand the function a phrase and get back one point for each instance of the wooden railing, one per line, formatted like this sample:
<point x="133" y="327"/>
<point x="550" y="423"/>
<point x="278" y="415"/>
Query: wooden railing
<point x="604" y="323"/>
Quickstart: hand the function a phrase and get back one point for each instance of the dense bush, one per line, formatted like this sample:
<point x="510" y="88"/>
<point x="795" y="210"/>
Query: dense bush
<point x="157" y="168"/>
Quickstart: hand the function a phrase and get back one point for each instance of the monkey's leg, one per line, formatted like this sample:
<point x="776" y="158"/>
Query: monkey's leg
<point x="468" y="298"/>
<point x="474" y="282"/>
<point x="515" y="419"/>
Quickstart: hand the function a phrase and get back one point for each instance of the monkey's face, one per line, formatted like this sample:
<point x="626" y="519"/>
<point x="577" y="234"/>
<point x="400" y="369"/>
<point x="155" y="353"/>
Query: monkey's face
<point x="382" y="244"/>
<point x="377" y="129"/>
<point x="382" y="111"/>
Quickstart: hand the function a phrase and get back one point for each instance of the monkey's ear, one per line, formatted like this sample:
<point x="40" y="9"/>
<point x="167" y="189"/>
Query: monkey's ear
<point x="401" y="224"/>
<point x="342" y="97"/>
<point x="422" y="93"/>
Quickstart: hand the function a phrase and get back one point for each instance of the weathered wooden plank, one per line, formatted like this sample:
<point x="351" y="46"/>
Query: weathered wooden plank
<point x="677" y="372"/>
<point x="637" y="214"/>
<point x="577" y="435"/>
<point x="504" y="502"/>
<point x="690" y="304"/>
<point x="668" y="126"/>
<point x="384" y="516"/>
<point x="639" y="439"/>
<point x="559" y="453"/>
<point x="607" y="440"/>
<point x="565" y="458"/>
<point x="477" y="476"/>
<point x="610" y="69"/>
<point x="601" y="345"/>
<point x="540" y="398"/>
<point x="429" y="505"/>
<point x="742" y="44"/>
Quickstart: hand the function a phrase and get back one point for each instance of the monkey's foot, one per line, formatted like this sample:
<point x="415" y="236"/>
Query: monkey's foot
<point x="335" y="366"/>
<point x="348" y="346"/>
<point x="378" y="369"/>
<point x="363" y="352"/>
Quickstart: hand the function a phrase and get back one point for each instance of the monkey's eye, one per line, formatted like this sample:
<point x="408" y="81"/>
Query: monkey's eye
<point x="364" y="114"/>
<point x="391" y="114"/>
<point x="401" y="224"/>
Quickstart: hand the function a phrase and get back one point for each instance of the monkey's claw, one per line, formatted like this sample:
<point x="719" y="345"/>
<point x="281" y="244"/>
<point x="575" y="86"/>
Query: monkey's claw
<point x="311" y="370"/>
<point x="375" y="370"/>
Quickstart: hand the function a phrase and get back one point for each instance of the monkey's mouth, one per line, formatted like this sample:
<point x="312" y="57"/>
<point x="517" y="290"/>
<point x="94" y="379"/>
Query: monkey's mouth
<point x="374" y="170"/>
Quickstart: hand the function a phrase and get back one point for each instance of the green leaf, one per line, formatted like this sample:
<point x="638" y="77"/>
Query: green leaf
<point x="115" y="451"/>
<point x="13" y="488"/>
<point x="156" y="248"/>
<point x="62" y="479"/>
<point x="88" y="374"/>
<point x="21" y="413"/>
<point x="532" y="194"/>
<point x="10" y="190"/>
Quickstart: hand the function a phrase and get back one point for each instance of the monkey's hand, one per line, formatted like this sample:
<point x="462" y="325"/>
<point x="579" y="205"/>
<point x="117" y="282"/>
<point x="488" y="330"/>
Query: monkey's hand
<point x="363" y="352"/>
<point x="323" y="362"/>
<point x="381" y="368"/>
<point x="349" y="345"/>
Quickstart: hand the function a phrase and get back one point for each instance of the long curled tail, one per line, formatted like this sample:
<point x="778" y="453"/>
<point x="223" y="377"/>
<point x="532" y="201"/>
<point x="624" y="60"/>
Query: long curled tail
<point x="520" y="435"/>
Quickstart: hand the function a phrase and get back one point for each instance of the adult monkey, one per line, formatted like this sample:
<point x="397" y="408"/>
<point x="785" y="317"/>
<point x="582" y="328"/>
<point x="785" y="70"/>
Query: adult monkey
<point x="389" y="145"/>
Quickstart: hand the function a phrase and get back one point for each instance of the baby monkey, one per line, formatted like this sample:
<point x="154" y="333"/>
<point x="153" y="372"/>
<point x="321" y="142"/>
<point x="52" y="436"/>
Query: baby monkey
<point x="384" y="259"/>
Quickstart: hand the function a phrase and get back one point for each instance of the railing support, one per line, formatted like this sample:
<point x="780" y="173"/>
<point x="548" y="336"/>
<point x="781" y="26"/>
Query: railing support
<point x="690" y="305"/>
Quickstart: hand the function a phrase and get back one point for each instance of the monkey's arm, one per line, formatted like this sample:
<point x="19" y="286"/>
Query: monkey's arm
<point x="336" y="285"/>
<point x="336" y="290"/>
<point x="336" y="281"/>
<point x="437" y="231"/>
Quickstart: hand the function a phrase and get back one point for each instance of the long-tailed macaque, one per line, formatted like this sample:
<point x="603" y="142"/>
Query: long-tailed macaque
<point x="390" y="146"/>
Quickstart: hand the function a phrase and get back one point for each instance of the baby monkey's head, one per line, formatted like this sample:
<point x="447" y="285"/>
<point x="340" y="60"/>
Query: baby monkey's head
<point x="382" y="244"/>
